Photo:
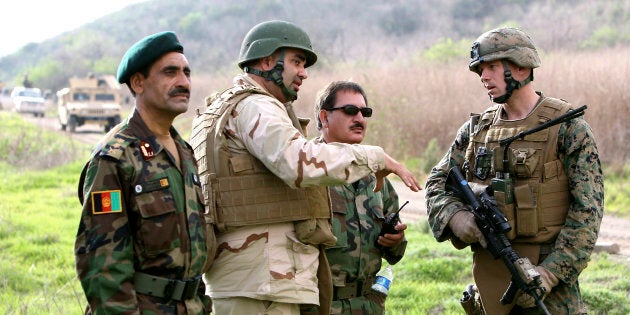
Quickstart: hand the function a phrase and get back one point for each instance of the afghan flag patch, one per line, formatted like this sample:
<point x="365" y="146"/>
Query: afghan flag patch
<point x="106" y="202"/>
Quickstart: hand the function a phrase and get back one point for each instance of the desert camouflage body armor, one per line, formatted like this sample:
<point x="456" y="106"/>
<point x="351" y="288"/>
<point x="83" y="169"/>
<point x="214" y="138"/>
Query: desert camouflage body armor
<point x="239" y="189"/>
<point x="540" y="200"/>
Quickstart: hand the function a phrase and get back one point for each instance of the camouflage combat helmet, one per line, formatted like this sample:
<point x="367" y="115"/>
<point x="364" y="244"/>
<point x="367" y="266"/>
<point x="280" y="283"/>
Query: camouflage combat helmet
<point x="504" y="43"/>
<point x="265" y="38"/>
<point x="507" y="45"/>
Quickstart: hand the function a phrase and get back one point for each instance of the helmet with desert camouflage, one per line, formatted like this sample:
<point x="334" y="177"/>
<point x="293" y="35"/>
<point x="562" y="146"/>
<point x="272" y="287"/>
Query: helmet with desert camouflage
<point x="504" y="43"/>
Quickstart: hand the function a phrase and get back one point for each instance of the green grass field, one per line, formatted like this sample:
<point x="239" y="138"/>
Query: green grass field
<point x="431" y="277"/>
<point x="39" y="214"/>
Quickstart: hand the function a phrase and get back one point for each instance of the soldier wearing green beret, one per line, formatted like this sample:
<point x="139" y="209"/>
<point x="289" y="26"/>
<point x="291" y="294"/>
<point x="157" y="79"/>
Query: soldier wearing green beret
<point x="342" y="114"/>
<point x="265" y="180"/>
<point x="548" y="184"/>
<point x="143" y="240"/>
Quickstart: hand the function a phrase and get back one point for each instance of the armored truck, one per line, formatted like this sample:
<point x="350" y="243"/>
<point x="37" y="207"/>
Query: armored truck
<point x="95" y="99"/>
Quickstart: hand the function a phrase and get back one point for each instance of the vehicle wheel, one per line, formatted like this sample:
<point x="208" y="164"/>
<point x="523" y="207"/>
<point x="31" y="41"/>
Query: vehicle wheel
<point x="72" y="123"/>
<point x="63" y="126"/>
<point x="111" y="123"/>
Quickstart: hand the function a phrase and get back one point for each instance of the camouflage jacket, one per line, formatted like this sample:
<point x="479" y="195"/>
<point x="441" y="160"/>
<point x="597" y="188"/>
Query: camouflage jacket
<point x="141" y="213"/>
<point x="267" y="261"/>
<point x="358" y="213"/>
<point x="572" y="248"/>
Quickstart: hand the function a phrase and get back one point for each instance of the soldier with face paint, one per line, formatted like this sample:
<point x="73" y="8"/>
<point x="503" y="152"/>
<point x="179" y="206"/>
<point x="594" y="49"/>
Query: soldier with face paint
<point x="548" y="184"/>
<point x="143" y="240"/>
<point x="265" y="181"/>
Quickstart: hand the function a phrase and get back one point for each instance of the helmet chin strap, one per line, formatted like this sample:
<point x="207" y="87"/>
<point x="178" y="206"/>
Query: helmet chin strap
<point x="511" y="84"/>
<point x="275" y="75"/>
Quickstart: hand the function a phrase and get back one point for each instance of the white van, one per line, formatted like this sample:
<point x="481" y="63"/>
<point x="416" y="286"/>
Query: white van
<point x="28" y="100"/>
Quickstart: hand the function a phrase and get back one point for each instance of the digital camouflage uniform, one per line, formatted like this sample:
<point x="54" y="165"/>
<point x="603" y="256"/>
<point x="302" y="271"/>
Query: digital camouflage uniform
<point x="267" y="261"/>
<point x="141" y="214"/>
<point x="358" y="213"/>
<point x="568" y="252"/>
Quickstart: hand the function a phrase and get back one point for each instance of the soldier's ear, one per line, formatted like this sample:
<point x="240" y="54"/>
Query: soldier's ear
<point x="136" y="81"/>
<point x="323" y="117"/>
<point x="267" y="63"/>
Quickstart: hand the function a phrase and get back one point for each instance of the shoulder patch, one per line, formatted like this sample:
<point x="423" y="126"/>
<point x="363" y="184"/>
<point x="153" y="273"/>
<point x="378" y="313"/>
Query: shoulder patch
<point x="109" y="201"/>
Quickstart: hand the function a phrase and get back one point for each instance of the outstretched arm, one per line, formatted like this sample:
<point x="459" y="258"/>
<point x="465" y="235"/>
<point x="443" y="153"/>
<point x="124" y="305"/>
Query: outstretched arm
<point x="393" y="166"/>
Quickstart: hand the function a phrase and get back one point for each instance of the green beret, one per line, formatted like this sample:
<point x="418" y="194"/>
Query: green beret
<point x="145" y="52"/>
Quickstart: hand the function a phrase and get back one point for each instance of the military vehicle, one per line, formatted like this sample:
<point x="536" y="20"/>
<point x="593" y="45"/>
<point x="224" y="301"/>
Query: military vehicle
<point x="95" y="99"/>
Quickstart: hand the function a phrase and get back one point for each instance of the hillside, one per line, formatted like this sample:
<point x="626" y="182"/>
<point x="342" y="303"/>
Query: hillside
<point x="351" y="31"/>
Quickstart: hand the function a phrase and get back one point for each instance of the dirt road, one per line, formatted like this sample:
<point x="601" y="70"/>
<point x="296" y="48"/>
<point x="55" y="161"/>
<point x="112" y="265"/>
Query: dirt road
<point x="613" y="230"/>
<point x="88" y="133"/>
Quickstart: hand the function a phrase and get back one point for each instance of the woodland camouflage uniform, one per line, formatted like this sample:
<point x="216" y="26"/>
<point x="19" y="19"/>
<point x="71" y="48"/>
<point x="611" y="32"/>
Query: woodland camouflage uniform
<point x="358" y="213"/>
<point x="154" y="223"/>
<point x="568" y="224"/>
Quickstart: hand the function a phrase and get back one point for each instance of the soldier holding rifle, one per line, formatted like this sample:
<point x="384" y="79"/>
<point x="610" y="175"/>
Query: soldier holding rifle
<point x="548" y="184"/>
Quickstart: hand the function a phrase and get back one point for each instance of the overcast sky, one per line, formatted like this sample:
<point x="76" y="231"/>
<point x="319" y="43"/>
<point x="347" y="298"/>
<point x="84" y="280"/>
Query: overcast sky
<point x="33" y="21"/>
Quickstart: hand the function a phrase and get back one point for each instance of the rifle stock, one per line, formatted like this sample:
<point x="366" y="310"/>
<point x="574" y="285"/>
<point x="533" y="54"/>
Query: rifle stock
<point x="493" y="225"/>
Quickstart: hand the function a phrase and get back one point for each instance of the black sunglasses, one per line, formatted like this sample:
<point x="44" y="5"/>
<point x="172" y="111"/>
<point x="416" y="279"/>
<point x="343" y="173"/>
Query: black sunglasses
<point x="353" y="110"/>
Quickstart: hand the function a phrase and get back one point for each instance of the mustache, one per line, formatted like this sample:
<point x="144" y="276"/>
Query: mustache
<point x="357" y="124"/>
<point x="177" y="91"/>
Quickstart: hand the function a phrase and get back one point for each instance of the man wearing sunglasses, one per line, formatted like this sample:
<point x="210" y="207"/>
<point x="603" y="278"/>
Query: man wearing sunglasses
<point x="266" y="181"/>
<point x="342" y="115"/>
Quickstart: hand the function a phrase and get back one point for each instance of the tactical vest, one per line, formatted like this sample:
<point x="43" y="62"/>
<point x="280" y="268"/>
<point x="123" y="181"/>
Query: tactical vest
<point x="239" y="189"/>
<point x="537" y="203"/>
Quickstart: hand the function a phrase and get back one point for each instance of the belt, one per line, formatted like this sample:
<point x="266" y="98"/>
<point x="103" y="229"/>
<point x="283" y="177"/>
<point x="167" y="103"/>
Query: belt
<point x="349" y="291"/>
<point x="178" y="290"/>
<point x="353" y="289"/>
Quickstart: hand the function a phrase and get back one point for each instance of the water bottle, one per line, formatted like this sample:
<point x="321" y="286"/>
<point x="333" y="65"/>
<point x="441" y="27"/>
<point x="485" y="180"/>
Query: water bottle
<point x="384" y="280"/>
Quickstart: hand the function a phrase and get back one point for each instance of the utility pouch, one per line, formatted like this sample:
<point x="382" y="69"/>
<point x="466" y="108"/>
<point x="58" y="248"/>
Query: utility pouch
<point x="526" y="214"/>
<point x="483" y="163"/>
<point x="509" y="212"/>
<point x="525" y="162"/>
<point x="503" y="194"/>
<point x="318" y="229"/>
<point x="315" y="232"/>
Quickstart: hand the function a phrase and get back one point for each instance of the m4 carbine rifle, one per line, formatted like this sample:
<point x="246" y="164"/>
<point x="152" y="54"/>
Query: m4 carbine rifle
<point x="494" y="225"/>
